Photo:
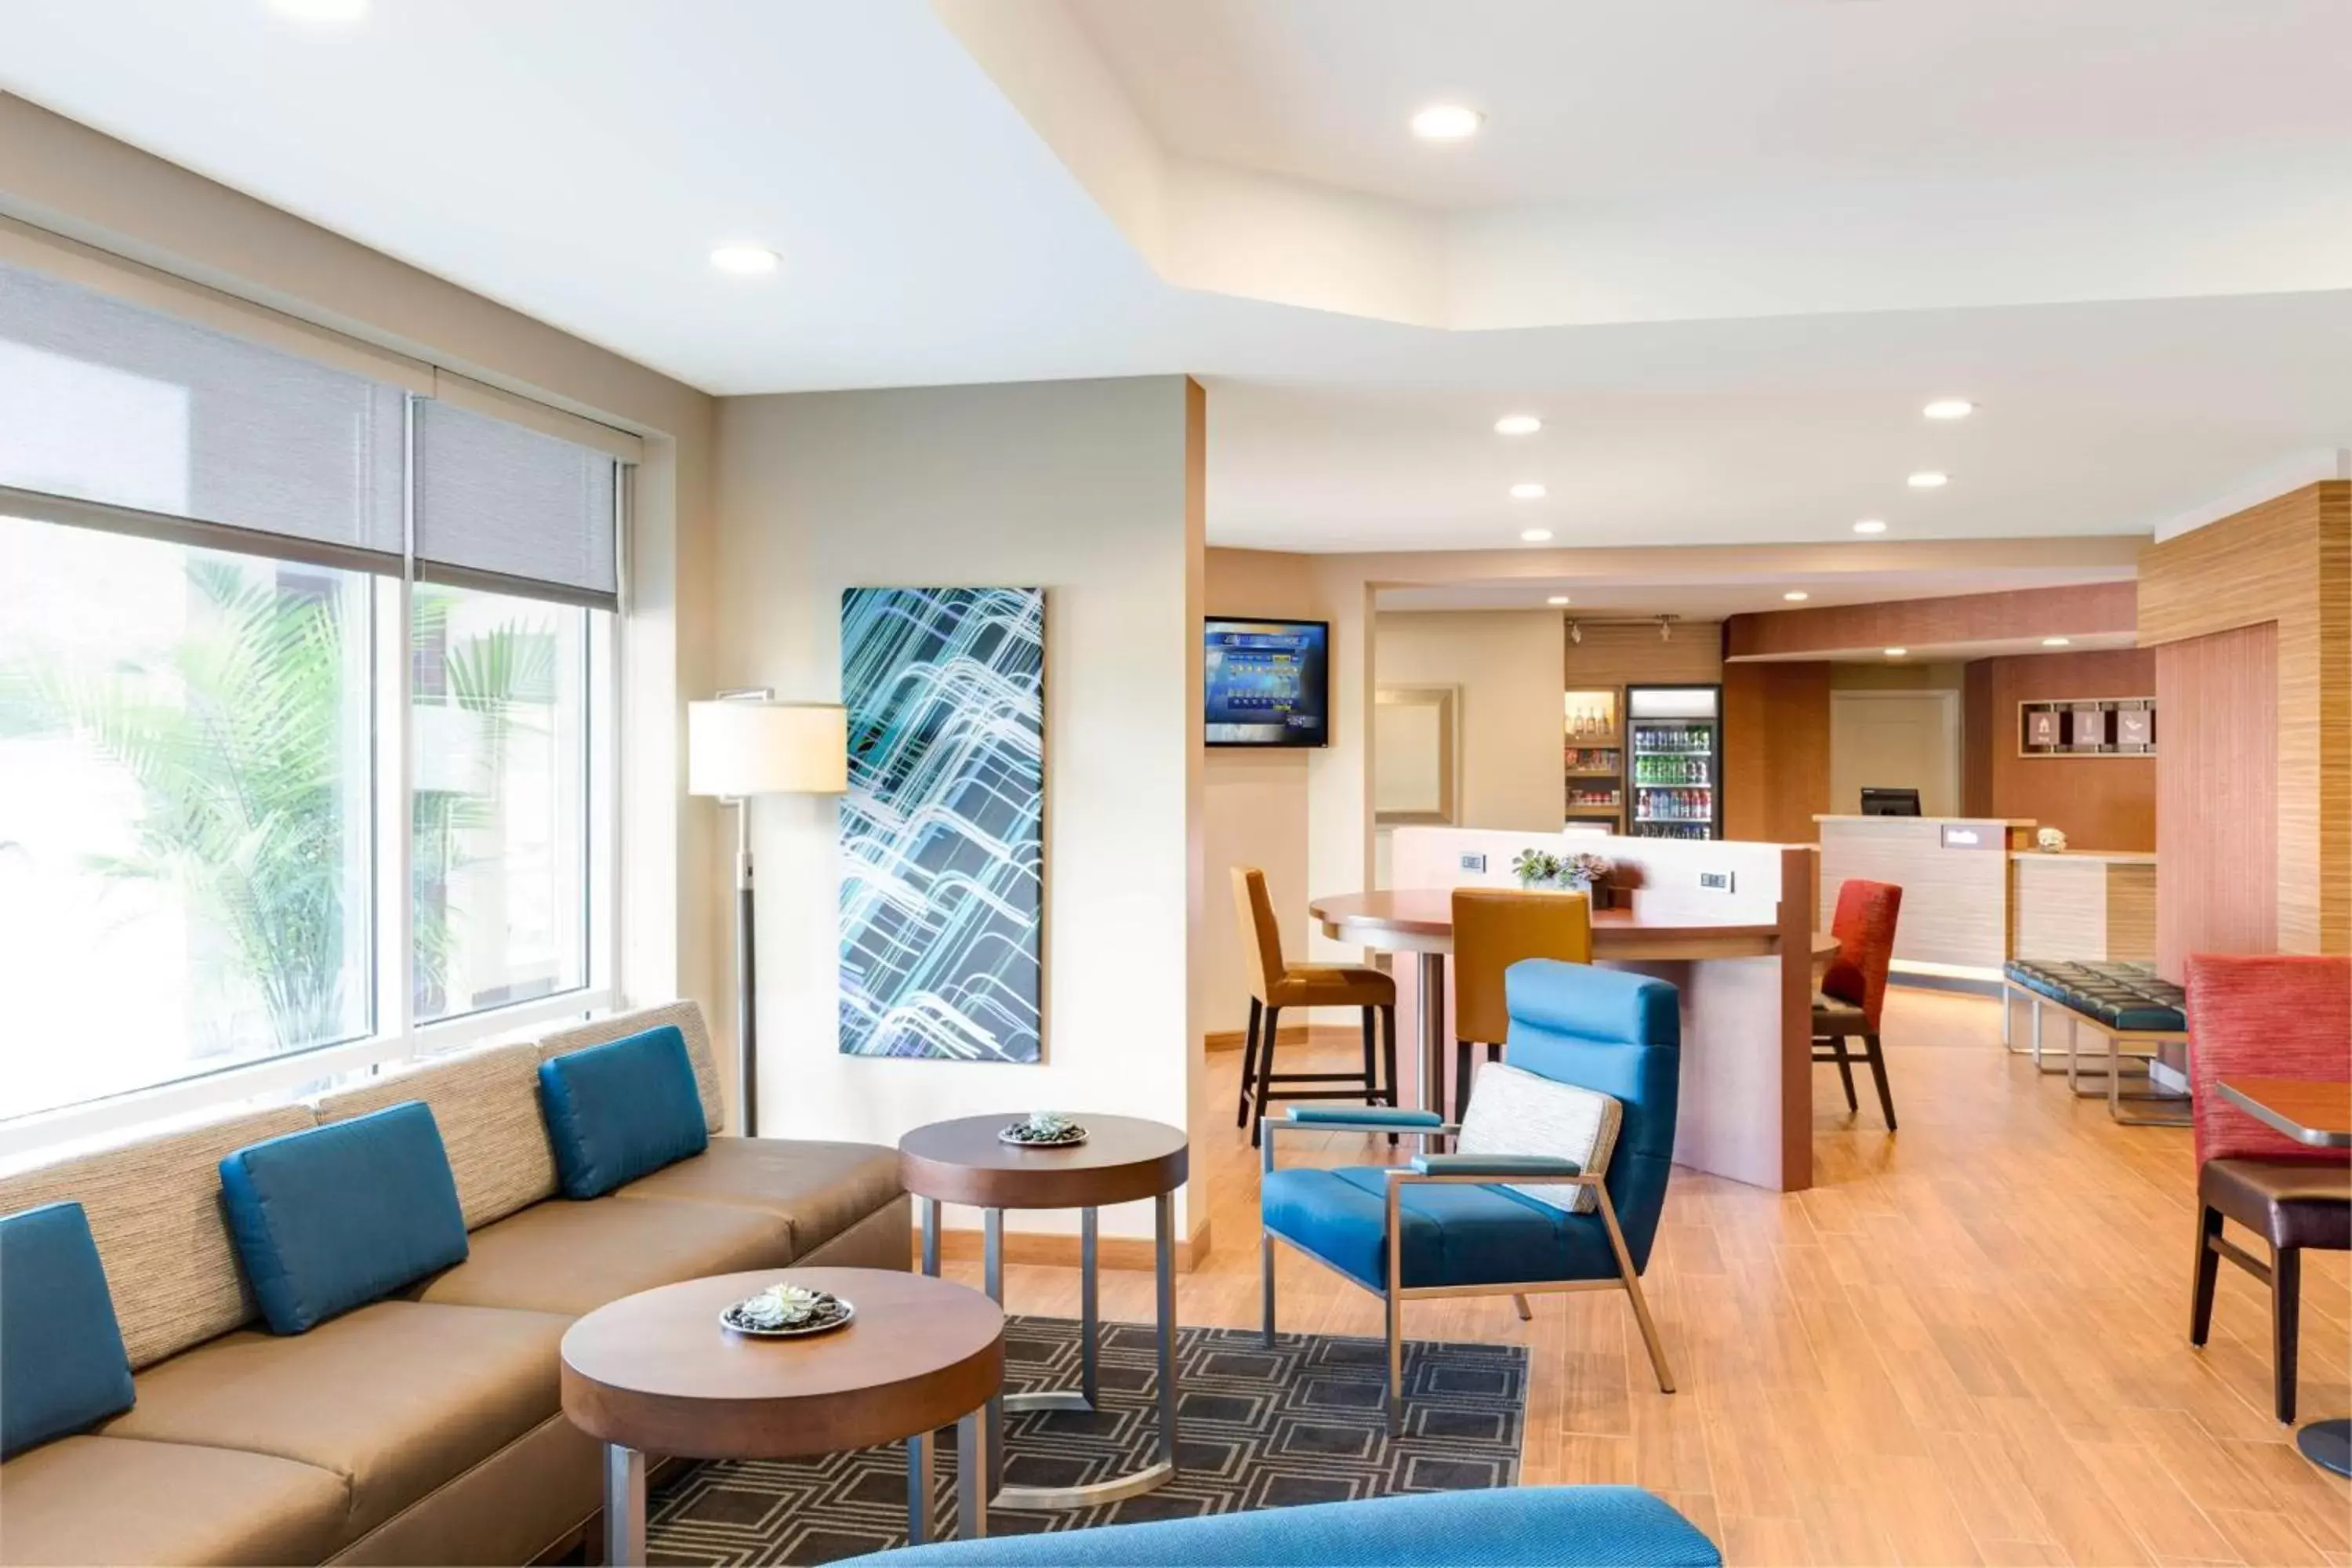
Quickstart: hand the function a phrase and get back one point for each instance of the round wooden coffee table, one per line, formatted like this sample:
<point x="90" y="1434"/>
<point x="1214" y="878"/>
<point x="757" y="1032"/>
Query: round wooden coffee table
<point x="1123" y="1160"/>
<point x="656" y="1373"/>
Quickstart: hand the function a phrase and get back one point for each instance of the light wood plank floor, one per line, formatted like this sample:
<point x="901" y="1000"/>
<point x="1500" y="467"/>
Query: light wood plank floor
<point x="1968" y="1344"/>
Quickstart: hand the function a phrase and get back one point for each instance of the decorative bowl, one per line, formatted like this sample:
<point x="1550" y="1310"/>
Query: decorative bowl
<point x="785" y="1312"/>
<point x="1044" y="1130"/>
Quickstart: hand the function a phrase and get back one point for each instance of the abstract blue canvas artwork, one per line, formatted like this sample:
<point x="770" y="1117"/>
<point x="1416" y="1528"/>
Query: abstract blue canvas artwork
<point x="942" y="832"/>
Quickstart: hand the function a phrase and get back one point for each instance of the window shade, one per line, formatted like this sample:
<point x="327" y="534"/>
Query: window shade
<point x="104" y="402"/>
<point x="503" y="507"/>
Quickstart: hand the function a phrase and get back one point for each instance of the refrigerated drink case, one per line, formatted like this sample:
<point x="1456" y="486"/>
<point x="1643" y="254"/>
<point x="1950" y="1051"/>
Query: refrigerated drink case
<point x="1673" y="744"/>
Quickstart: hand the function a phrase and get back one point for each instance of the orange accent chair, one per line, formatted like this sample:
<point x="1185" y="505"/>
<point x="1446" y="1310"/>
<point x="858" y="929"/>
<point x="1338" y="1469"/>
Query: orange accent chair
<point x="1275" y="984"/>
<point x="1493" y="929"/>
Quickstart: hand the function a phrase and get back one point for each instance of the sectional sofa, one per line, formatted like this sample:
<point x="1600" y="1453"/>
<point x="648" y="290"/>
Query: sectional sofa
<point x="423" y="1428"/>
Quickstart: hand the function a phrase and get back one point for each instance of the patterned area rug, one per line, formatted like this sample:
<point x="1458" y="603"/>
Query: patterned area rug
<point x="1259" y="1428"/>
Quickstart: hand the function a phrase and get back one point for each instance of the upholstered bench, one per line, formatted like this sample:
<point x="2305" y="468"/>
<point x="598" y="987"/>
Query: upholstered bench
<point x="2141" y="1016"/>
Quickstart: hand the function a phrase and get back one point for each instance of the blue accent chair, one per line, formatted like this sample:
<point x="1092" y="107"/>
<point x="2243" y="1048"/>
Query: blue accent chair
<point x="1461" y="1232"/>
<point x="1530" y="1527"/>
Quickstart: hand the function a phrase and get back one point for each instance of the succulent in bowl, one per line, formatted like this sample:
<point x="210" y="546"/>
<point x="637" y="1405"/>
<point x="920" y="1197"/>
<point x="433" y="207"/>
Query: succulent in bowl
<point x="782" y="1307"/>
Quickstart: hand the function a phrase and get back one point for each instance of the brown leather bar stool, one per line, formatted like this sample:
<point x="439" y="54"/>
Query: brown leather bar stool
<point x="1275" y="985"/>
<point x="1853" y="991"/>
<point x="1493" y="929"/>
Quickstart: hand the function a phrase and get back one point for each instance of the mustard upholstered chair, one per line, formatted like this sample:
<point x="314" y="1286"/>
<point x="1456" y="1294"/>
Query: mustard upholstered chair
<point x="1275" y="984"/>
<point x="1493" y="929"/>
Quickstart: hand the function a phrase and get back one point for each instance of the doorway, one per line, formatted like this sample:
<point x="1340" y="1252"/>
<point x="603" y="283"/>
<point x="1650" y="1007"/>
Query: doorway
<point x="1895" y="739"/>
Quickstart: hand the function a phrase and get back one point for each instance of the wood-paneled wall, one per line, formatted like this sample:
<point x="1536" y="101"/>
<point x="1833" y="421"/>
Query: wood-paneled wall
<point x="2074" y="611"/>
<point x="2287" y="563"/>
<point x="1634" y="655"/>
<point x="1776" y="750"/>
<point x="2102" y="802"/>
<point x="2217" y="790"/>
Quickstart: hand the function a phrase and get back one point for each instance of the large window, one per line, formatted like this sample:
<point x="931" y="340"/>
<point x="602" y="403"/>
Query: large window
<point x="278" y="778"/>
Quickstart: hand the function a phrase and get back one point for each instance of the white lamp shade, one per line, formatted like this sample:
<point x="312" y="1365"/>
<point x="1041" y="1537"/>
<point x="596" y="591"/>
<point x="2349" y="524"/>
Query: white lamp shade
<point x="736" y="747"/>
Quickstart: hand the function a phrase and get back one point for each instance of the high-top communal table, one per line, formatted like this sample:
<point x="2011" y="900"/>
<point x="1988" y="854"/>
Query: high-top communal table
<point x="1746" y="994"/>
<point x="1122" y="1161"/>
<point x="657" y="1373"/>
<point x="2319" y="1114"/>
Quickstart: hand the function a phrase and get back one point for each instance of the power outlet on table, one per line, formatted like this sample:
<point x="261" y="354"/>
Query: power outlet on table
<point x="1473" y="862"/>
<point x="1715" y="881"/>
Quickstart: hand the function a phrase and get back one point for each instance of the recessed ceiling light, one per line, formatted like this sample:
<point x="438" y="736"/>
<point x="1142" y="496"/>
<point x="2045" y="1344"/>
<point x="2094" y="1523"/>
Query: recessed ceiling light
<point x="1535" y="535"/>
<point x="1447" y="123"/>
<point x="1870" y="525"/>
<point x="1928" y="480"/>
<point x="1529" y="491"/>
<point x="1949" y="408"/>
<point x="1517" y="425"/>
<point x="1556" y="599"/>
<point x="324" y="11"/>
<point x="2057" y="642"/>
<point x="1796" y="596"/>
<point x="1896" y="652"/>
<point x="746" y="260"/>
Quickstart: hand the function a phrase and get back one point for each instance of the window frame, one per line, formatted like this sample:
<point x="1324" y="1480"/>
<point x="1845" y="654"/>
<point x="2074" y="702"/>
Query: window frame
<point x="393" y="1036"/>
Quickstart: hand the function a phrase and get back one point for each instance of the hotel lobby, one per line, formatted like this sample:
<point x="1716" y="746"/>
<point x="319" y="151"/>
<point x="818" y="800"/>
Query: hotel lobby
<point x="1256" y="782"/>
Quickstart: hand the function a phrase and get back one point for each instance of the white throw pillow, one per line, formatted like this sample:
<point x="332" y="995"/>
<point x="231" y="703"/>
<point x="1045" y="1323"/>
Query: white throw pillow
<point x="1513" y="1111"/>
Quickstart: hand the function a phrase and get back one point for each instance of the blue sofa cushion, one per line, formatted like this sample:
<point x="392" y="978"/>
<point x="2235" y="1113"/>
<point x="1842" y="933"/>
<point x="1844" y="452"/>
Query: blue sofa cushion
<point x="1537" y="1527"/>
<point x="621" y="1111"/>
<point x="1455" y="1233"/>
<point x="333" y="1217"/>
<point x="62" y="1365"/>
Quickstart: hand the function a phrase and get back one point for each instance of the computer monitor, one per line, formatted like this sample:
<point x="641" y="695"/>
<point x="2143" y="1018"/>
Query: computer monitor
<point x="1890" y="802"/>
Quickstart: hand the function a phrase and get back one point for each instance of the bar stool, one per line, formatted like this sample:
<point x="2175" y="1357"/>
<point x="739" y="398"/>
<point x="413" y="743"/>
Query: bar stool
<point x="1493" y="930"/>
<point x="1275" y="985"/>
<point x="1854" y="986"/>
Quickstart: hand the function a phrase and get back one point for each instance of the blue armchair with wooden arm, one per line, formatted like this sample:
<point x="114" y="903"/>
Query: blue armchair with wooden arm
<point x="1463" y="1231"/>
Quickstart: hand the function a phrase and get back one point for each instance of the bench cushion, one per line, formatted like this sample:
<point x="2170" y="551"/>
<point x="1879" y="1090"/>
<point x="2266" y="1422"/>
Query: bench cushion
<point x="396" y="1398"/>
<point x="62" y="1366"/>
<point x="571" y="1258"/>
<point x="1455" y="1233"/>
<point x="111" y="1499"/>
<point x="2129" y="997"/>
<point x="331" y="1218"/>
<point x="818" y="1189"/>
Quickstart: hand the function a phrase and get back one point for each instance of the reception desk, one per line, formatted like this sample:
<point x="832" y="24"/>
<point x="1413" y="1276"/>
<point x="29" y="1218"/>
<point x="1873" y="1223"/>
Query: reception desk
<point x="1975" y="896"/>
<point x="1954" y="873"/>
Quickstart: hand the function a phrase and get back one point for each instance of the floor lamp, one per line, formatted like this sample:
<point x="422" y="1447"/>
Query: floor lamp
<point x="743" y="744"/>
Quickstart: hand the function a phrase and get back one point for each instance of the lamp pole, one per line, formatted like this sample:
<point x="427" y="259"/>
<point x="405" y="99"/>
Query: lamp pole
<point x="747" y="1006"/>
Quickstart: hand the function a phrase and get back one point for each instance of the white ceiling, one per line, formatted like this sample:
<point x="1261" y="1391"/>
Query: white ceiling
<point x="1724" y="247"/>
<point x="1704" y="595"/>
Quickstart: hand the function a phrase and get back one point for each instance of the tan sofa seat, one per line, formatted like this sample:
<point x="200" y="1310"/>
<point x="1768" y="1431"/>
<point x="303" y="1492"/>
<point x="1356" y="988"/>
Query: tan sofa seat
<point x="111" y="1499"/>
<point x="819" y="1189"/>
<point x="571" y="1258"/>
<point x="395" y="1398"/>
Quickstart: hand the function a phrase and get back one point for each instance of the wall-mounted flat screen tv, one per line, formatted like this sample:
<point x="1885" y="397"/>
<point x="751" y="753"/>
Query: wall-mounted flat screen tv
<point x="1268" y="683"/>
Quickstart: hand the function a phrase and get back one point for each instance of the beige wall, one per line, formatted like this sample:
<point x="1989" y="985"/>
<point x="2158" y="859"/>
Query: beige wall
<point x="1081" y="487"/>
<point x="285" y="275"/>
<point x="1507" y="664"/>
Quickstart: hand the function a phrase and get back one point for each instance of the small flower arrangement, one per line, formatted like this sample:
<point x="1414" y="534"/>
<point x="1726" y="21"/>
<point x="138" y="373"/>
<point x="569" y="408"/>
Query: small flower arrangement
<point x="1539" y="868"/>
<point x="1044" y="1127"/>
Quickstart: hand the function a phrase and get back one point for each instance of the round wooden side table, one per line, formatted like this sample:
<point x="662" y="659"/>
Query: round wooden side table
<point x="657" y="1373"/>
<point x="1123" y="1160"/>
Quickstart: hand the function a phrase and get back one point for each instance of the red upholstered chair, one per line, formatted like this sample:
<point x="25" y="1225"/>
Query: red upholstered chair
<point x="2266" y="1017"/>
<point x="1855" y="986"/>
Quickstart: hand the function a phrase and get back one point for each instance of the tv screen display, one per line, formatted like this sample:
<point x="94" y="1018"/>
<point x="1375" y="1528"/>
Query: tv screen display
<point x="1268" y="683"/>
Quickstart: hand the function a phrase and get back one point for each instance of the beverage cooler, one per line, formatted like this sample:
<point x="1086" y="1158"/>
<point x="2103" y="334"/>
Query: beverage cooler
<point x="1675" y="750"/>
